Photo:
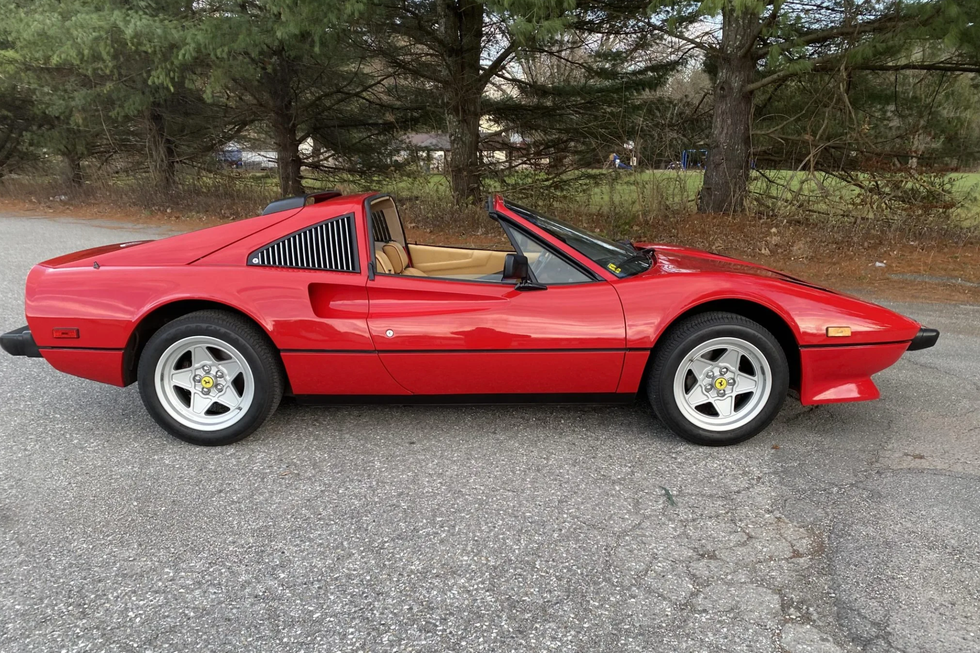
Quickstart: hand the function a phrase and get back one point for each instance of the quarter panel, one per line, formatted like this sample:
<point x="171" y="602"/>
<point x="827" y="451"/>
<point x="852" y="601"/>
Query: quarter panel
<point x="104" y="366"/>
<point x="175" y="250"/>
<point x="106" y="304"/>
<point x="237" y="253"/>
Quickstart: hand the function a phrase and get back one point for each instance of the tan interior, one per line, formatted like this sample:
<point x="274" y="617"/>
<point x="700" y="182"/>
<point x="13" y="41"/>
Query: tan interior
<point x="399" y="260"/>
<point x="396" y="254"/>
<point x="425" y="260"/>
<point x="386" y="206"/>
<point x="382" y="263"/>
<point x="449" y="261"/>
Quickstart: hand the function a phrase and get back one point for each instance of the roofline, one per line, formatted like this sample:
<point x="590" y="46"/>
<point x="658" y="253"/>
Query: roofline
<point x="310" y="199"/>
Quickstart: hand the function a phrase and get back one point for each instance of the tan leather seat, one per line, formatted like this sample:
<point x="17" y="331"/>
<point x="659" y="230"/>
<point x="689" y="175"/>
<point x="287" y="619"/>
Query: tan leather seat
<point x="382" y="264"/>
<point x="398" y="257"/>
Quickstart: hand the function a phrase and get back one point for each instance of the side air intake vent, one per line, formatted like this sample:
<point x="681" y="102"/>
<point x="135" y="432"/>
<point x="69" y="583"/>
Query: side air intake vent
<point x="329" y="245"/>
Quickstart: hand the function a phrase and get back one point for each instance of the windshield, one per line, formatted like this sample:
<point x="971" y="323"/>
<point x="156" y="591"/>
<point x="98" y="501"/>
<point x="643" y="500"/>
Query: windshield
<point x="622" y="259"/>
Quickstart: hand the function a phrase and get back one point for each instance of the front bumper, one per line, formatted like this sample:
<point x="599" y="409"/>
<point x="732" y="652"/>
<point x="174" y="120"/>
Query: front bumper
<point x="924" y="339"/>
<point x="20" y="342"/>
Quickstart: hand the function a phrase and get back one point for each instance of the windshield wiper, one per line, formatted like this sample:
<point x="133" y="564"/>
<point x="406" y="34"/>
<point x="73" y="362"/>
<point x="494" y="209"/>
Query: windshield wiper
<point x="641" y="255"/>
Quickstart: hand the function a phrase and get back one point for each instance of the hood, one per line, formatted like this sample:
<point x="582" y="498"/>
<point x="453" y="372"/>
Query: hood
<point x="680" y="260"/>
<point x="810" y="307"/>
<point x="182" y="249"/>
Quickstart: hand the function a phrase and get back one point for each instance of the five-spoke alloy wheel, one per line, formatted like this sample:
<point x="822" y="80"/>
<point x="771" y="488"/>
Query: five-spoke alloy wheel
<point x="718" y="378"/>
<point x="210" y="378"/>
<point x="204" y="383"/>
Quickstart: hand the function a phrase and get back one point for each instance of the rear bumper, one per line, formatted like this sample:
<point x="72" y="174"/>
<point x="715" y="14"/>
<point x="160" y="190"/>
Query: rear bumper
<point x="924" y="339"/>
<point x="20" y="342"/>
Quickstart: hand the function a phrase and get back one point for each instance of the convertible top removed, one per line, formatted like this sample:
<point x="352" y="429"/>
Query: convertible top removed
<point x="324" y="297"/>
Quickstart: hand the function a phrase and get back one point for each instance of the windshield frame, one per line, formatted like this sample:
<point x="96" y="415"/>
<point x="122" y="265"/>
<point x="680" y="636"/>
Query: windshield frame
<point x="623" y="260"/>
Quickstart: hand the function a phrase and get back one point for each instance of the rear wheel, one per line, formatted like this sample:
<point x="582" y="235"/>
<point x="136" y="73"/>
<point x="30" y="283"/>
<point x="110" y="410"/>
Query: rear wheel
<point x="718" y="379"/>
<point x="210" y="378"/>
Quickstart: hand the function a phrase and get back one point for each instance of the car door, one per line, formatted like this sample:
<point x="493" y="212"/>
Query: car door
<point x="456" y="337"/>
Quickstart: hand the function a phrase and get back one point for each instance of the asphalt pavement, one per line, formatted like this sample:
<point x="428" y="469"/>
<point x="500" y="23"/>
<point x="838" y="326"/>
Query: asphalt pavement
<point x="853" y="527"/>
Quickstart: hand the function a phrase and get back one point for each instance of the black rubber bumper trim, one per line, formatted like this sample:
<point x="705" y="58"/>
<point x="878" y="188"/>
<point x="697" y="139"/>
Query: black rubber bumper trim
<point x="924" y="339"/>
<point x="20" y="342"/>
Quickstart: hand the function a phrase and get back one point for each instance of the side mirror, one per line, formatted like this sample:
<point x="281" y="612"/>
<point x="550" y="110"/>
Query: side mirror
<point x="515" y="268"/>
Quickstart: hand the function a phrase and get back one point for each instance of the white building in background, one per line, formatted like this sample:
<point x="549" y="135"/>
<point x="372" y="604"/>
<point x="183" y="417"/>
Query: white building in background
<point x="260" y="160"/>
<point x="431" y="150"/>
<point x="428" y="150"/>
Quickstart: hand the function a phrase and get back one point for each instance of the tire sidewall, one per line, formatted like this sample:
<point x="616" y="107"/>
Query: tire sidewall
<point x="262" y="400"/>
<point x="666" y="404"/>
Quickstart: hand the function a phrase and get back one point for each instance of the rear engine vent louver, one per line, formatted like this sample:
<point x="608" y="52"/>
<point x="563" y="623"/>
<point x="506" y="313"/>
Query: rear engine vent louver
<point x="329" y="245"/>
<point x="380" y="226"/>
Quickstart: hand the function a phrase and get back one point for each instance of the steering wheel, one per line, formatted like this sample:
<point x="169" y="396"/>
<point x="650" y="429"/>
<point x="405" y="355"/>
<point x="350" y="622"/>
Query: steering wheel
<point x="544" y="260"/>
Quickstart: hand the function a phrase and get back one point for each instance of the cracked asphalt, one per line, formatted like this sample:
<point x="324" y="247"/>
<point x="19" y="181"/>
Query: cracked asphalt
<point x="842" y="528"/>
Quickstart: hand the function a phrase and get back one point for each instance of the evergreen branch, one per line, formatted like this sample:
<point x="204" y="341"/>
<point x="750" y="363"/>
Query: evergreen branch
<point x="495" y="65"/>
<point x="822" y="36"/>
<point x="763" y="25"/>
<point x="788" y="72"/>
<point x="695" y="43"/>
<point x="926" y="67"/>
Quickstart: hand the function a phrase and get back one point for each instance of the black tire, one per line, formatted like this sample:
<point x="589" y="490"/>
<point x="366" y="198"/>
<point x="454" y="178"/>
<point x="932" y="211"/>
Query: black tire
<point x="241" y="334"/>
<point x="680" y="340"/>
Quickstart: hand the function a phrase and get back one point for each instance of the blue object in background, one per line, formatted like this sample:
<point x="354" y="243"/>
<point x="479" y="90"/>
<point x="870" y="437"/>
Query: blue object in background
<point x="619" y="164"/>
<point x="231" y="156"/>
<point x="693" y="158"/>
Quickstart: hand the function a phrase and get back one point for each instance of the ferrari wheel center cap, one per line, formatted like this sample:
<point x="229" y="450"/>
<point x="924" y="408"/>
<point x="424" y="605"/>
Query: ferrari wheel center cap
<point x="207" y="382"/>
<point x="721" y="383"/>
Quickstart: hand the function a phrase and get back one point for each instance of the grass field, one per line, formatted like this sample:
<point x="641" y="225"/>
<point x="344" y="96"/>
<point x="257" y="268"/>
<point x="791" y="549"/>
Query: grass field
<point x="618" y="203"/>
<point x="657" y="190"/>
<point x="625" y="204"/>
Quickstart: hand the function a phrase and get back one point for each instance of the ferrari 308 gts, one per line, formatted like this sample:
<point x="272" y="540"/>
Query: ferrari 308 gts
<point x="324" y="297"/>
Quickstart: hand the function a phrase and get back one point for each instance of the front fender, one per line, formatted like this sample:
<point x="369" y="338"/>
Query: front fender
<point x="651" y="303"/>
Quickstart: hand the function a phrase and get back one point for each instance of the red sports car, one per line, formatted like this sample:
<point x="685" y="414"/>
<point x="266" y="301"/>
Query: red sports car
<point x="324" y="297"/>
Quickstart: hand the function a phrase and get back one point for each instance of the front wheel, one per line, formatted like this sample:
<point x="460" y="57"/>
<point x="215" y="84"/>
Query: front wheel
<point x="718" y="379"/>
<point x="210" y="378"/>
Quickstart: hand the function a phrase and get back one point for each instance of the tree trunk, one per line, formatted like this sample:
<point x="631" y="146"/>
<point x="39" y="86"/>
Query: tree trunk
<point x="287" y="154"/>
<point x="726" y="173"/>
<point x="161" y="151"/>
<point x="9" y="141"/>
<point x="73" y="171"/>
<point x="278" y="80"/>
<point x="463" y="29"/>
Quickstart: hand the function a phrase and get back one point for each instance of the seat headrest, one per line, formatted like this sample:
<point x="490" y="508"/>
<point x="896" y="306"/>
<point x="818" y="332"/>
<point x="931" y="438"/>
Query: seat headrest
<point x="397" y="255"/>
<point x="383" y="264"/>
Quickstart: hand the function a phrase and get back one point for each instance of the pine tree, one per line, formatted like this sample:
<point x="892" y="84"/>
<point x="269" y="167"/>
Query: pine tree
<point x="286" y="66"/>
<point x="105" y="82"/>
<point x="749" y="45"/>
